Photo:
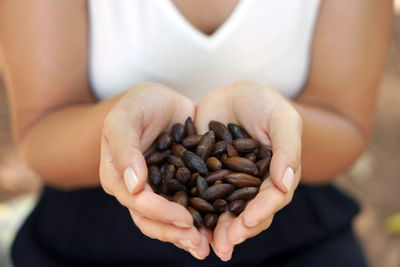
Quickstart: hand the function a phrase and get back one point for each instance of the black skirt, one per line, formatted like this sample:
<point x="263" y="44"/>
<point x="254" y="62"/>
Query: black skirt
<point x="90" y="228"/>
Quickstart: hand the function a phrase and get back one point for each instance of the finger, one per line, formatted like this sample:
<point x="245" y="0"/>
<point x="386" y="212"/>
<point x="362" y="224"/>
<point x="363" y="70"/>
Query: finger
<point x="189" y="239"/>
<point x="145" y="202"/>
<point x="157" y="208"/>
<point x="267" y="202"/>
<point x="123" y="142"/>
<point x="221" y="245"/>
<point x="207" y="233"/>
<point x="239" y="232"/>
<point x="285" y="130"/>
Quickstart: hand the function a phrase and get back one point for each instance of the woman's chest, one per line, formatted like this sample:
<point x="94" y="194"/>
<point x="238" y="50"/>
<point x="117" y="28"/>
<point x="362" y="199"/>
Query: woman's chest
<point x="141" y="41"/>
<point x="206" y="15"/>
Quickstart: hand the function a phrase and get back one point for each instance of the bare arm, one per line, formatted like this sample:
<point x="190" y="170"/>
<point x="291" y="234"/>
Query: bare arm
<point x="56" y="123"/>
<point x="334" y="112"/>
<point x="338" y="103"/>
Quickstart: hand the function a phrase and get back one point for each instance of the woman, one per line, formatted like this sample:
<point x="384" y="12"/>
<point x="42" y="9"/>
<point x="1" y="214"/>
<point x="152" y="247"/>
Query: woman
<point x="97" y="81"/>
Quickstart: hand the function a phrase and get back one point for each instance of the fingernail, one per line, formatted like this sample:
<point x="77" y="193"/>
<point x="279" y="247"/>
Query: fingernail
<point x="288" y="179"/>
<point x="226" y="256"/>
<point x="130" y="179"/>
<point x="181" y="224"/>
<point x="194" y="253"/>
<point x="186" y="243"/>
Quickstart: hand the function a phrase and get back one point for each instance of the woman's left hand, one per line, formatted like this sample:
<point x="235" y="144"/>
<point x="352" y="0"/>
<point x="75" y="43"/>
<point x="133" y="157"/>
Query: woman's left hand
<point x="271" y="119"/>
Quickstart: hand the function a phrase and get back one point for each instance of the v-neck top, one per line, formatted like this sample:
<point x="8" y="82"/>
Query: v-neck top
<point x="135" y="41"/>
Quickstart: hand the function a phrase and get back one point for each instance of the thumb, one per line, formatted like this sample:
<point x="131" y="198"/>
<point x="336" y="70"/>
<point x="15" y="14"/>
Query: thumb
<point x="285" y="131"/>
<point x="124" y="145"/>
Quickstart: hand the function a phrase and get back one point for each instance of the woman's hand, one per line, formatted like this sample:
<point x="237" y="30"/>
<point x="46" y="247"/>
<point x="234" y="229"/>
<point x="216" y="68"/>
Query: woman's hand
<point x="269" y="118"/>
<point x="130" y="128"/>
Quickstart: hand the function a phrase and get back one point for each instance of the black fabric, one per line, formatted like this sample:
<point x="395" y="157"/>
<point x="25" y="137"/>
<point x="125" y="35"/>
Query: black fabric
<point x="90" y="228"/>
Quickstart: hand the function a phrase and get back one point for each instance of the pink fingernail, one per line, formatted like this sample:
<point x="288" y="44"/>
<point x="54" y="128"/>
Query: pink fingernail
<point x="194" y="253"/>
<point x="226" y="256"/>
<point x="181" y="224"/>
<point x="288" y="179"/>
<point x="130" y="179"/>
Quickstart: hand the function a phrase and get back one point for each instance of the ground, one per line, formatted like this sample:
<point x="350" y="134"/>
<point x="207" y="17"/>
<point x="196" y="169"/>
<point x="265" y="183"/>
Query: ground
<point x="374" y="180"/>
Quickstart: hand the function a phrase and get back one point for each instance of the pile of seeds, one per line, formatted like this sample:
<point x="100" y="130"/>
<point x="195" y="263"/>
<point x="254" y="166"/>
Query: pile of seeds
<point x="208" y="174"/>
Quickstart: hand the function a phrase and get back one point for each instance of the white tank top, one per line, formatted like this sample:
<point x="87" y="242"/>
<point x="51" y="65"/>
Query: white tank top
<point x="135" y="41"/>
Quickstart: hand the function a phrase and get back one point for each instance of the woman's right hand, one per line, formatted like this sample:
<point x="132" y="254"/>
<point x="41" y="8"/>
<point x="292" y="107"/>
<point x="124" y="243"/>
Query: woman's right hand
<point x="129" y="129"/>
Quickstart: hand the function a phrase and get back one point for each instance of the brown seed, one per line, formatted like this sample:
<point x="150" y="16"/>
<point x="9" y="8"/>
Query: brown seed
<point x="244" y="193"/>
<point x="164" y="141"/>
<point x="163" y="189"/>
<point x="194" y="191"/>
<point x="190" y="128"/>
<point x="191" y="141"/>
<point x="181" y="197"/>
<point x="197" y="220"/>
<point x="213" y="164"/>
<point x="169" y="172"/>
<point x="217" y="175"/>
<point x="251" y="156"/>
<point x="263" y="153"/>
<point x="237" y="206"/>
<point x="220" y="205"/>
<point x="223" y="157"/>
<point x="237" y="131"/>
<point x="205" y="145"/>
<point x="177" y="162"/>
<point x="210" y="220"/>
<point x="220" y="130"/>
<point x="239" y="179"/>
<point x="195" y="163"/>
<point x="163" y="167"/>
<point x="218" y="191"/>
<point x="231" y="151"/>
<point x="178" y="149"/>
<point x="218" y="182"/>
<point x="157" y="157"/>
<point x="201" y="185"/>
<point x="178" y="132"/>
<point x="219" y="148"/>
<point x="240" y="164"/>
<point x="183" y="174"/>
<point x="151" y="149"/>
<point x="174" y="185"/>
<point x="154" y="175"/>
<point x="263" y="167"/>
<point x="201" y="205"/>
<point x="245" y="145"/>
<point x="193" y="179"/>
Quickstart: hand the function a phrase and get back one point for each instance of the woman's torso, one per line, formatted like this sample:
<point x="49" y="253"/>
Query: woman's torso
<point x="142" y="41"/>
<point x="139" y="41"/>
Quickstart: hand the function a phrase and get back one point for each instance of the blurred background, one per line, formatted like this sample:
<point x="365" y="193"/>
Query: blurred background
<point x="374" y="180"/>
